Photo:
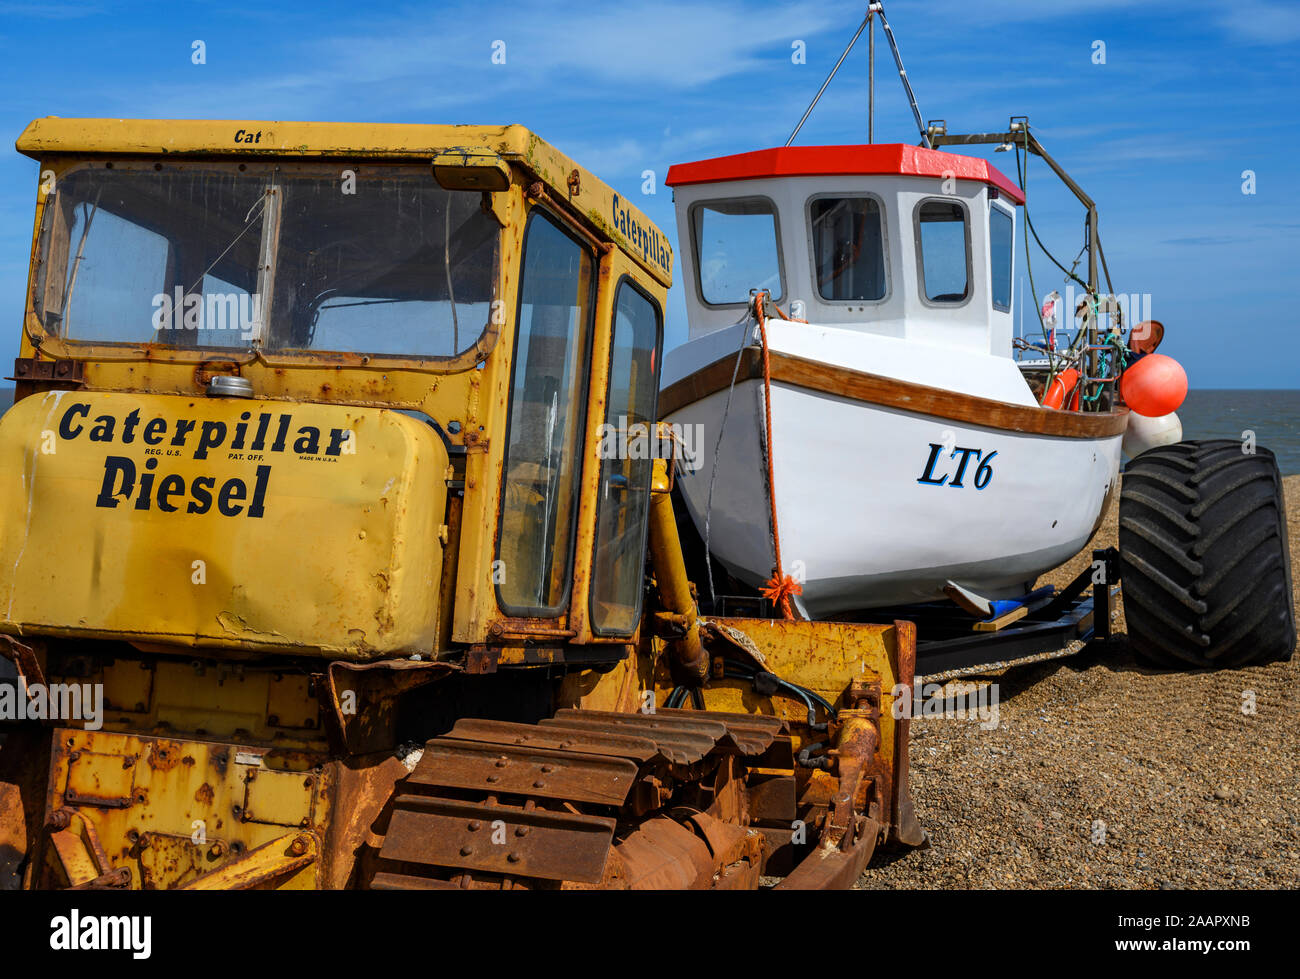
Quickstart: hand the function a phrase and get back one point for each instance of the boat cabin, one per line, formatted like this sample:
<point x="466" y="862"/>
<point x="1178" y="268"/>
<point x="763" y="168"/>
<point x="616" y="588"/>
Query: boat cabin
<point x="889" y="239"/>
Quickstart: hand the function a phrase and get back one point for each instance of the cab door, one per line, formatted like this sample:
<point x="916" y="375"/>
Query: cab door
<point x="627" y="446"/>
<point x="533" y="570"/>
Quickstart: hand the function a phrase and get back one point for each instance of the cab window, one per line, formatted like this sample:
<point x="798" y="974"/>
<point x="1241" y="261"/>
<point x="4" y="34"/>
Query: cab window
<point x="547" y="398"/>
<point x="943" y="252"/>
<point x="848" y="248"/>
<point x="736" y="250"/>
<point x="1001" y="253"/>
<point x="219" y="255"/>
<point x="626" y="448"/>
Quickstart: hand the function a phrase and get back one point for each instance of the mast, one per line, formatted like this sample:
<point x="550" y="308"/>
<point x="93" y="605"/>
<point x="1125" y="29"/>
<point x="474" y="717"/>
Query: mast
<point x="871" y="74"/>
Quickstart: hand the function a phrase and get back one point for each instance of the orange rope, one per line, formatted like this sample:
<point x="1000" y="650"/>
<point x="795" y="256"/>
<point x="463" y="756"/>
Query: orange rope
<point x="780" y="586"/>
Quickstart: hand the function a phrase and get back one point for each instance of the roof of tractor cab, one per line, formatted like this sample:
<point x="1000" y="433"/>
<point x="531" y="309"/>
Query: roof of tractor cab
<point x="608" y="212"/>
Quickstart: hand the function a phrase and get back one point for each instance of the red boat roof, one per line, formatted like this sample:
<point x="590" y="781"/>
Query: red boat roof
<point x="822" y="161"/>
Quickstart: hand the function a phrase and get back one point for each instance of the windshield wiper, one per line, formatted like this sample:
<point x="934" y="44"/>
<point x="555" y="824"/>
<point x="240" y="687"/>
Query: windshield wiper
<point x="248" y="223"/>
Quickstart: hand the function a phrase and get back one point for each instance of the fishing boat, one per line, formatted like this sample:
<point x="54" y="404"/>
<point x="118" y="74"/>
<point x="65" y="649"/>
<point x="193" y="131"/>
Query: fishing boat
<point x="849" y="376"/>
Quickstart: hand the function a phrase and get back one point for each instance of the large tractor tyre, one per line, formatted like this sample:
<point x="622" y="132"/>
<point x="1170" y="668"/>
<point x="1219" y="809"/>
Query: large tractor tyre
<point x="1205" y="563"/>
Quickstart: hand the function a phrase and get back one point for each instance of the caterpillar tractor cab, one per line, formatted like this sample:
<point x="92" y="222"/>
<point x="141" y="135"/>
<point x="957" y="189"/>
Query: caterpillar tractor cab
<point x="340" y="547"/>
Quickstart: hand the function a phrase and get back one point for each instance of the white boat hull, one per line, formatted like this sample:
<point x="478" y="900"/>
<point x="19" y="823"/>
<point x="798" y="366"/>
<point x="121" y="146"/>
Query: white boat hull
<point x="870" y="513"/>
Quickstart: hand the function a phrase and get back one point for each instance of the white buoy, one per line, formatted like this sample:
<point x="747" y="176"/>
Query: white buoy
<point x="1145" y="433"/>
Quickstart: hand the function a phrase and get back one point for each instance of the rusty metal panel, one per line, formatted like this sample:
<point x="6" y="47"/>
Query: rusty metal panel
<point x="290" y="703"/>
<point x="833" y="869"/>
<point x="103" y="780"/>
<point x="128" y="687"/>
<point x="278" y="798"/>
<point x="549" y="736"/>
<point x="546" y="845"/>
<point x="277" y="861"/>
<point x="750" y="734"/>
<point x="682" y="747"/>
<point x="661" y="854"/>
<point x="772" y="798"/>
<point x="543" y="773"/>
<point x="688" y="738"/>
<point x="77" y="863"/>
<point x="170" y="860"/>
<point x="184" y="794"/>
<point x="387" y="881"/>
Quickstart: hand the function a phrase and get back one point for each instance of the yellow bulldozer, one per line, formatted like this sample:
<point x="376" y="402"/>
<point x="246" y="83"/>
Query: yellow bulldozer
<point x="340" y="548"/>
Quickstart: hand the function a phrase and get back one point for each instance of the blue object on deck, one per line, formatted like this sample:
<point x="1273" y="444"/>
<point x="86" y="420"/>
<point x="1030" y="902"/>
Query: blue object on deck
<point x="1004" y="605"/>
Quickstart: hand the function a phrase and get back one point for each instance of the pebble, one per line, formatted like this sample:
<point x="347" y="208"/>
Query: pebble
<point x="1185" y="790"/>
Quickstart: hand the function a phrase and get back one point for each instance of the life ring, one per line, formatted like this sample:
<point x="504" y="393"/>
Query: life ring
<point x="1063" y="384"/>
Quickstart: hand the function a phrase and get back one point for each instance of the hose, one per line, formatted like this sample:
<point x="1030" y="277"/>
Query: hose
<point x="806" y="760"/>
<point x="737" y="671"/>
<point x="809" y="698"/>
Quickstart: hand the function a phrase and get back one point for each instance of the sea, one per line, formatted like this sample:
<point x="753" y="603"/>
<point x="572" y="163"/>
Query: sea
<point x="1273" y="417"/>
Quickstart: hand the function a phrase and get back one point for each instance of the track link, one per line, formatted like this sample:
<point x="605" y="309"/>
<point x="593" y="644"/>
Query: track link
<point x="584" y="799"/>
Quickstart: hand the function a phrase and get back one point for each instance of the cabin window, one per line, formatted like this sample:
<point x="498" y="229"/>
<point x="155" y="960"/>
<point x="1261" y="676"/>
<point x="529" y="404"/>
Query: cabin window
<point x="1002" y="246"/>
<point x="626" y="448"/>
<point x="401" y="267"/>
<point x="539" y="494"/>
<point x="115" y="268"/>
<point x="848" y="248"/>
<point x="224" y="255"/>
<point x="943" y="251"/>
<point x="736" y="250"/>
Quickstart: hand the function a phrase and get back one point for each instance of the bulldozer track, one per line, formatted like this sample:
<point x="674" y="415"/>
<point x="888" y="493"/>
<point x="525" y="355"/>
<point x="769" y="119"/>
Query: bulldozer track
<point x="585" y="798"/>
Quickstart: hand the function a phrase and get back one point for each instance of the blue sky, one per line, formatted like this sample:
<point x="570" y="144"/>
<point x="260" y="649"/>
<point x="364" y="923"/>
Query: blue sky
<point x="1188" y="98"/>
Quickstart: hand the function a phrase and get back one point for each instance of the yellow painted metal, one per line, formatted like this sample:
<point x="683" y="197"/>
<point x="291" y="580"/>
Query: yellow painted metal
<point x="266" y="865"/>
<point x="220" y="522"/>
<point x="622" y="688"/>
<point x="473" y="168"/>
<point x="614" y="265"/>
<point x="824" y="657"/>
<point x="77" y="853"/>
<point x="259" y="706"/>
<point x="189" y="807"/>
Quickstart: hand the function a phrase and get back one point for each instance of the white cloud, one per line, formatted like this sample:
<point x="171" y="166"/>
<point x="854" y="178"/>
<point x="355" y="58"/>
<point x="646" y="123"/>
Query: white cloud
<point x="1261" y="21"/>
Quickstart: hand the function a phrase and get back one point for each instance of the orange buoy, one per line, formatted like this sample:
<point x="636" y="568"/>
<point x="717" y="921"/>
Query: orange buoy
<point x="1062" y="385"/>
<point x="1154" y="386"/>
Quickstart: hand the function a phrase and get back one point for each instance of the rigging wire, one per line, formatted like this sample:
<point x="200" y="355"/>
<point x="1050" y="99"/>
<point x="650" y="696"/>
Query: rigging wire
<point x="1029" y="224"/>
<point x="1029" y="265"/>
<point x="813" y="104"/>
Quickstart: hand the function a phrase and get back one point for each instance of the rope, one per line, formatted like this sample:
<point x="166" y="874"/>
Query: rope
<point x="780" y="586"/>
